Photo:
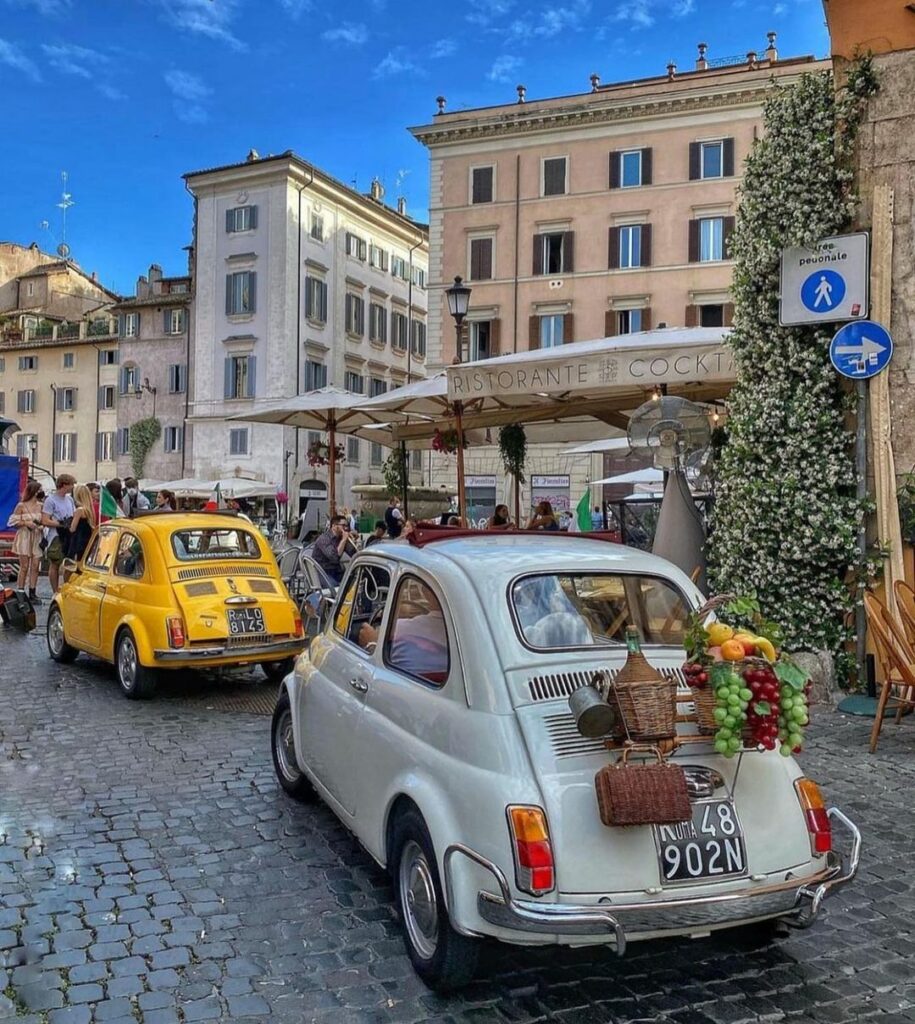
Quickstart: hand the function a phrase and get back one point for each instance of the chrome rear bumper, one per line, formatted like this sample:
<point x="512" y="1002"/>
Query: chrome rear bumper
<point x="188" y="656"/>
<point x="799" y="902"/>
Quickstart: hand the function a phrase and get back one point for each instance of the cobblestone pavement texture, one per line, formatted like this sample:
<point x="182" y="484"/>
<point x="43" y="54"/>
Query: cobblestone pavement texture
<point x="151" y="870"/>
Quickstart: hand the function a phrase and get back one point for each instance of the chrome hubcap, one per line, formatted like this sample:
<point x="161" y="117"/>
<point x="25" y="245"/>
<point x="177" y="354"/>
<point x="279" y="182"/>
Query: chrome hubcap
<point x="127" y="663"/>
<point x="420" y="907"/>
<point x="284" y="741"/>
<point x="55" y="632"/>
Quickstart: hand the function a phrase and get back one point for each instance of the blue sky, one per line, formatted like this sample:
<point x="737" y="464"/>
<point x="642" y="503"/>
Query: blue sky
<point x="127" y="95"/>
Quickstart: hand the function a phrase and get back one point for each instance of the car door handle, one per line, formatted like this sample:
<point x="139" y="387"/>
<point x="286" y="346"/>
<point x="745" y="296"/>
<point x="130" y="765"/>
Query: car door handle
<point x="359" y="685"/>
<point x="102" y="587"/>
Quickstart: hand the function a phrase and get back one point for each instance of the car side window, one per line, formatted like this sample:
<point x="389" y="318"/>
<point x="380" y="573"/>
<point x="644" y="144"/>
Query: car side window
<point x="417" y="639"/>
<point x="101" y="554"/>
<point x="130" y="561"/>
<point x="359" y="613"/>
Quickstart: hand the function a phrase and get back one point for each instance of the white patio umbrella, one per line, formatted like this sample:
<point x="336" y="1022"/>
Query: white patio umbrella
<point x="636" y="476"/>
<point x="607" y="444"/>
<point x="329" y="409"/>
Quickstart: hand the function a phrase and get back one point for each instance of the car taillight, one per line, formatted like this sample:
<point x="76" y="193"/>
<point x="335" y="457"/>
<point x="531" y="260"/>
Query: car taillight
<point x="299" y="626"/>
<point x="818" y="823"/>
<point x="532" y="851"/>
<point x="176" y="637"/>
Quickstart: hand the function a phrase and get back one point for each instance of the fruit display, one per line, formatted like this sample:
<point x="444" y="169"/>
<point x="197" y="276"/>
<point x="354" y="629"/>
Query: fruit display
<point x="746" y="691"/>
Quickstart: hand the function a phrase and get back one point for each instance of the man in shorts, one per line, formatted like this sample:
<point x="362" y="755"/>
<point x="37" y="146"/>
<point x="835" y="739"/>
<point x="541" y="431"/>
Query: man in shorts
<point x="58" y="508"/>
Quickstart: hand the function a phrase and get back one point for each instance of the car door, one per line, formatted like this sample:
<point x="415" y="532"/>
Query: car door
<point x="334" y="696"/>
<point x="121" y="594"/>
<point x="81" y="603"/>
<point x="409" y="720"/>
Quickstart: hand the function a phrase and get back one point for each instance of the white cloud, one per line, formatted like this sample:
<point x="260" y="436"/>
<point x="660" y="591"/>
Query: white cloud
<point x="190" y="94"/>
<point x="210" y="18"/>
<point x="484" y="12"/>
<point x="503" y="68"/>
<point x="110" y="92"/>
<point x="644" y="13"/>
<point x="70" y="59"/>
<point x="14" y="58"/>
<point x="551" y="21"/>
<point x="295" y="8"/>
<point x="352" y="33"/>
<point x="43" y="6"/>
<point x="442" y="48"/>
<point x="396" y="62"/>
<point x="779" y="9"/>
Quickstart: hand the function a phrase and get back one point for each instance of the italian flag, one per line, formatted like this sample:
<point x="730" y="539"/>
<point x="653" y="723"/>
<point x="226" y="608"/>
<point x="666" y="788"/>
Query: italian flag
<point x="581" y="521"/>
<point x="108" y="507"/>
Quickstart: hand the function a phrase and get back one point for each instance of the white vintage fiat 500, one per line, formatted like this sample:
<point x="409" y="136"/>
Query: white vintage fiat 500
<point x="433" y="716"/>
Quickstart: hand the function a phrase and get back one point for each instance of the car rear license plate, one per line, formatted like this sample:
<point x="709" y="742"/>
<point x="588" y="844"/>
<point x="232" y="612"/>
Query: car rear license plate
<point x="243" y="621"/>
<point x="708" y="847"/>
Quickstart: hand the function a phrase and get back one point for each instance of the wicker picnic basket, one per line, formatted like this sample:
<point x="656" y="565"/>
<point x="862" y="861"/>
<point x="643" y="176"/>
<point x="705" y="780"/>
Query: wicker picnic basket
<point x="647" y="701"/>
<point x="644" y="794"/>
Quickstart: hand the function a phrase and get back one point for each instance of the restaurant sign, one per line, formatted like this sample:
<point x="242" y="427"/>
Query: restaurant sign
<point x="594" y="372"/>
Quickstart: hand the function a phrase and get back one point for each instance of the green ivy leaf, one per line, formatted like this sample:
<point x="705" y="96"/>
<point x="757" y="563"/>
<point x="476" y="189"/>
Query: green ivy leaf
<point x="762" y="708"/>
<point x="720" y="674"/>
<point x="788" y="672"/>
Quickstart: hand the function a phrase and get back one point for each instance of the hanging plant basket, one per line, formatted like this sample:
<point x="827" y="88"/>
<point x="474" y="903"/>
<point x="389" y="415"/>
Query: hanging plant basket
<point x="513" y="449"/>
<point x="319" y="453"/>
<point x="446" y="441"/>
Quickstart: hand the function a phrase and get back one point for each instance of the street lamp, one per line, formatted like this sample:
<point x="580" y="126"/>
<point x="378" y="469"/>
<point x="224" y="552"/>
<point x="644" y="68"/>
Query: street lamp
<point x="146" y="386"/>
<point x="33" y="450"/>
<point x="286" y="457"/>
<point x="458" y="304"/>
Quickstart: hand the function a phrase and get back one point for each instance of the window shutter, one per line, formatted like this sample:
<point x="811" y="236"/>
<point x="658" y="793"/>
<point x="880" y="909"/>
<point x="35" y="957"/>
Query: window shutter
<point x="167" y="326"/>
<point x="646" y="318"/>
<point x="253" y="217"/>
<point x="727" y="229"/>
<point x="486" y="259"/>
<point x="533" y="326"/>
<point x="646" y="166"/>
<point x="728" y="314"/>
<point x="20" y="401"/>
<point x="692" y="316"/>
<point x="538" y="254"/>
<point x="323" y="296"/>
<point x="182" y="378"/>
<point x="121" y="322"/>
<point x="568" y="252"/>
<point x="475" y="244"/>
<point x="645" y="245"/>
<point x="694" y="241"/>
<point x="101" y="398"/>
<point x="309" y="304"/>
<point x="728" y="158"/>
<point x="613" y="257"/>
<point x="610" y="323"/>
<point x="568" y="328"/>
<point x="73" y="440"/>
<point x="75" y="392"/>
<point x="695" y="161"/>
<point x="495" y="333"/>
<point x="230" y="220"/>
<point x="59" y="399"/>
<point x="227" y="389"/>
<point x="615" y="158"/>
<point x="228" y="294"/>
<point x="252" y="291"/>
<point x="252" y="376"/>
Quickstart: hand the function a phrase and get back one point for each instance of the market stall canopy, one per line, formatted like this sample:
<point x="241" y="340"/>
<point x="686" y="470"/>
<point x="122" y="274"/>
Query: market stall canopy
<point x="229" y="487"/>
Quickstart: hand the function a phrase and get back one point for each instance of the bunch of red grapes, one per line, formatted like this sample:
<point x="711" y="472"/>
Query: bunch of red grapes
<point x="777" y="713"/>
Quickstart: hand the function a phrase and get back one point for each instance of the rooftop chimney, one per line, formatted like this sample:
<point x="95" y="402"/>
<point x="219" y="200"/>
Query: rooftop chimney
<point x="702" y="59"/>
<point x="252" y="156"/>
<point x="671" y="71"/>
<point x="595" y="82"/>
<point x="522" y="92"/>
<point x="771" y="52"/>
<point x="751" y="60"/>
<point x="402" y="206"/>
<point x="440" y="100"/>
<point x="376" y="190"/>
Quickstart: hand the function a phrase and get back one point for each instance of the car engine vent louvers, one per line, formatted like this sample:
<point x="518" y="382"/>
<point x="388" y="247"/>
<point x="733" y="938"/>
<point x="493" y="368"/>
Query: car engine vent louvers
<point x="557" y="685"/>
<point x="201" y="572"/>
<point x="261" y="586"/>
<point x="567" y="741"/>
<point x="202" y="589"/>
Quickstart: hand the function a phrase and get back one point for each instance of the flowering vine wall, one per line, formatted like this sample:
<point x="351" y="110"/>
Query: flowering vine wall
<point x="786" y="516"/>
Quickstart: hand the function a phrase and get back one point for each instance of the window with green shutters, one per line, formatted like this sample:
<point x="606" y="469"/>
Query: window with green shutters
<point x="241" y="293"/>
<point x="316" y="299"/>
<point x="241" y="218"/>
<point x="240" y="376"/>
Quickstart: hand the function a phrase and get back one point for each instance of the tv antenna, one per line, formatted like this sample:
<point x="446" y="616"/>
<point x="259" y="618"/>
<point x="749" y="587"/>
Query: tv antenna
<point x="66" y="201"/>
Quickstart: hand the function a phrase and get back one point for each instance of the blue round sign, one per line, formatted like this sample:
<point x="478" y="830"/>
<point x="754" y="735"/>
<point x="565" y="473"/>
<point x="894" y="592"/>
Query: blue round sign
<point x="822" y="291"/>
<point x="861" y="350"/>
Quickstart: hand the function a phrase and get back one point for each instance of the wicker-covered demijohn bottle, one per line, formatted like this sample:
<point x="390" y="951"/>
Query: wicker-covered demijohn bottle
<point x="647" y="701"/>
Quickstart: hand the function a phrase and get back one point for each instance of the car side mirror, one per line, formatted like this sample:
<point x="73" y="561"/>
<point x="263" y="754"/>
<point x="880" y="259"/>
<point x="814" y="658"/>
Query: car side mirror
<point x="70" y="565"/>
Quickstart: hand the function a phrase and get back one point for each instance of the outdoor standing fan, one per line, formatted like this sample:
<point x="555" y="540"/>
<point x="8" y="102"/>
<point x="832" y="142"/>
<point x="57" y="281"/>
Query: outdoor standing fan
<point x="675" y="432"/>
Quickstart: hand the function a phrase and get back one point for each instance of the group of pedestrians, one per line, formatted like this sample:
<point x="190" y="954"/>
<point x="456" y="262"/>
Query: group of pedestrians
<point x="59" y="525"/>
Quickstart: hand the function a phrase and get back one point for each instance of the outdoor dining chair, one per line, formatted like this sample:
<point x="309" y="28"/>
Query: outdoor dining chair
<point x="896" y="659"/>
<point x="905" y="603"/>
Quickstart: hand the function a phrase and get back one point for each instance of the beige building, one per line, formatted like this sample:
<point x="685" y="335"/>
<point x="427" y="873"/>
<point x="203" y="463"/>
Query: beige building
<point x="591" y="215"/>
<point x="58" y="354"/>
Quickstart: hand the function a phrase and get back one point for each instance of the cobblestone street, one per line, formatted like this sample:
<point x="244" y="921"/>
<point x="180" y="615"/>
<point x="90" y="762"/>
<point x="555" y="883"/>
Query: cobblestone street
<point x="151" y="870"/>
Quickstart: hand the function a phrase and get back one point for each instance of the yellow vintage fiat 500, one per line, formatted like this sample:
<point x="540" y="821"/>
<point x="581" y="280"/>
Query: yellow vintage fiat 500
<point x="174" y="590"/>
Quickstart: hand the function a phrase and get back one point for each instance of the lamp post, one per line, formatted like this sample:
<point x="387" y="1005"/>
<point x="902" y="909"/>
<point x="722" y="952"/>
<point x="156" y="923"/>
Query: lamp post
<point x="33" y="451"/>
<point x="458" y="304"/>
<point x="146" y="386"/>
<point x="287" y="455"/>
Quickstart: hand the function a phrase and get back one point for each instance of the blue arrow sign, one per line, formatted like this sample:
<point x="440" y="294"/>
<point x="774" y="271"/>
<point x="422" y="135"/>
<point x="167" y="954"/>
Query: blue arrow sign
<point x="861" y="350"/>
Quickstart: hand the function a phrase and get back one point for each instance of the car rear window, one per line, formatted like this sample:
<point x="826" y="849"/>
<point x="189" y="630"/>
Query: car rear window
<point x="202" y="544"/>
<point x="560" y="610"/>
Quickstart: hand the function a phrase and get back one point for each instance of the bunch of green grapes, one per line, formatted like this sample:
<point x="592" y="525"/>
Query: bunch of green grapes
<point x="733" y="697"/>
<point x="792" y="717"/>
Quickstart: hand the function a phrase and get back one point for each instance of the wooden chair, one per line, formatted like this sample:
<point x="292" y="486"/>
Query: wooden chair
<point x="896" y="658"/>
<point x="905" y="605"/>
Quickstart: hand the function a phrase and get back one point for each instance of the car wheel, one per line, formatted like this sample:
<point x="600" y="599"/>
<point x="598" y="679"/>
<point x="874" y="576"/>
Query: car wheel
<point x="276" y="671"/>
<point x="58" y="647"/>
<point x="443" y="959"/>
<point x="137" y="681"/>
<point x="290" y="776"/>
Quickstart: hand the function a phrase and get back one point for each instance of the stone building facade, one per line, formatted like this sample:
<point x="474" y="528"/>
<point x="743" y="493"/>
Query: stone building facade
<point x="300" y="282"/>
<point x="154" y="378"/>
<point x="591" y="215"/>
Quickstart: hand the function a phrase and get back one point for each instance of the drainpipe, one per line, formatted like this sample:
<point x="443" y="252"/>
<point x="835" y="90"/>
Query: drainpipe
<point x="98" y="410"/>
<point x="298" y="302"/>
<point x="410" y="315"/>
<point x="54" y="432"/>
<point x="187" y="340"/>
<point x="517" y="251"/>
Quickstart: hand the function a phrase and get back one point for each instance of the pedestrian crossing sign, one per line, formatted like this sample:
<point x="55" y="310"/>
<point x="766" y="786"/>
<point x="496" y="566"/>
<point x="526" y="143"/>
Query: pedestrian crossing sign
<point x="826" y="283"/>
